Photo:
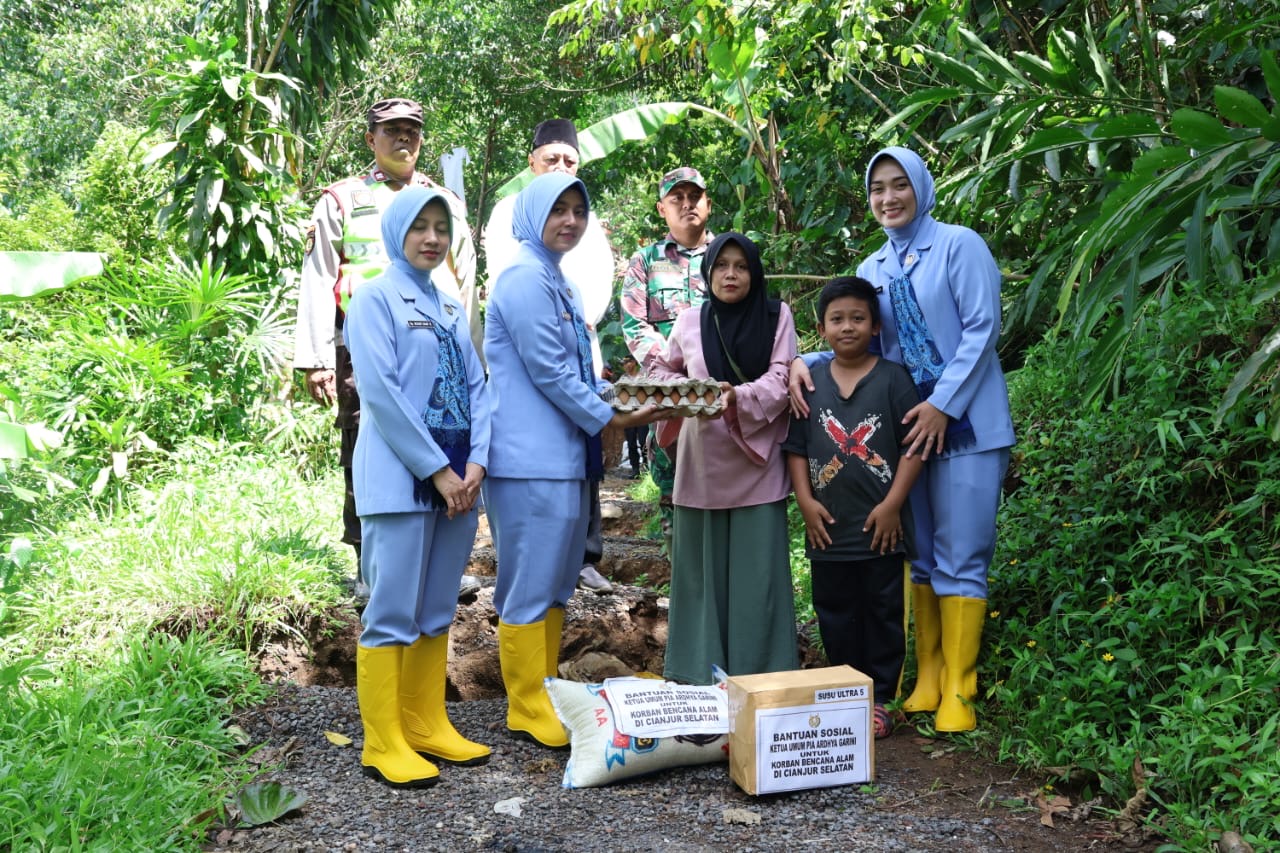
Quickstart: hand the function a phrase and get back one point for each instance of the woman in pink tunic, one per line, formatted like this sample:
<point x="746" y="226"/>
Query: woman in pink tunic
<point x="731" y="597"/>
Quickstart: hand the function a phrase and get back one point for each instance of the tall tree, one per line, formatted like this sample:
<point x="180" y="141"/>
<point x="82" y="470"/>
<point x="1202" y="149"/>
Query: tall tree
<point x="66" y="68"/>
<point x="244" y="90"/>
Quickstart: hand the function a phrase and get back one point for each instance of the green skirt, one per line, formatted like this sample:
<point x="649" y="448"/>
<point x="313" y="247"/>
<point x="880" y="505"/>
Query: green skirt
<point x="731" y="599"/>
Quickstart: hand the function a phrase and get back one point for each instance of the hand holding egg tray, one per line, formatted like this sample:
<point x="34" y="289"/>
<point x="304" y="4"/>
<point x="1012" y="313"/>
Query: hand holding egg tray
<point x="685" y="397"/>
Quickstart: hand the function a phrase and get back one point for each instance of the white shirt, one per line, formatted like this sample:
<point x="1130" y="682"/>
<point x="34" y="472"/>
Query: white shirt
<point x="589" y="266"/>
<point x="451" y="170"/>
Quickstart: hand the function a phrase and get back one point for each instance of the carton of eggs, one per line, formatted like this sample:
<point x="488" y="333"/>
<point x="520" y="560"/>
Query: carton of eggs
<point x="688" y="397"/>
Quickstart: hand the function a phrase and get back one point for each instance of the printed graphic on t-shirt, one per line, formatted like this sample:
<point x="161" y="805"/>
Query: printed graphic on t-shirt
<point x="849" y="443"/>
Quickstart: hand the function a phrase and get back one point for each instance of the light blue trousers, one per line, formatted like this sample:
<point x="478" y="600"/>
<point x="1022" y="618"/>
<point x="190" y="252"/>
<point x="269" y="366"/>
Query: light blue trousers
<point x="412" y="562"/>
<point x="539" y="530"/>
<point x="954" y="504"/>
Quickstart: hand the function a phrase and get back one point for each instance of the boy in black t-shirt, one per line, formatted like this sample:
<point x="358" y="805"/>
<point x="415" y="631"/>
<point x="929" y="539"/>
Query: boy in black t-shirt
<point x="851" y="483"/>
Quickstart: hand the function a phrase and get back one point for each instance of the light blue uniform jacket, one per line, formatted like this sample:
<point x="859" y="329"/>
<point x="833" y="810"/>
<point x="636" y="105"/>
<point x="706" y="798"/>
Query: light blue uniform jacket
<point x="957" y="284"/>
<point x="542" y="406"/>
<point x="394" y="352"/>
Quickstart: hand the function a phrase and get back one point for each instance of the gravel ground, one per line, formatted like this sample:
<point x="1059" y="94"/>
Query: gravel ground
<point x="683" y="809"/>
<point x="927" y="796"/>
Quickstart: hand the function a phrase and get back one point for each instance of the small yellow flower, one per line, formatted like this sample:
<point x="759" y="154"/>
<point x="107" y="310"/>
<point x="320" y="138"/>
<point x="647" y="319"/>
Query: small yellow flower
<point x="1067" y="524"/>
<point x="1108" y="657"/>
<point x="1014" y="561"/>
<point x="1031" y="644"/>
<point x="994" y="614"/>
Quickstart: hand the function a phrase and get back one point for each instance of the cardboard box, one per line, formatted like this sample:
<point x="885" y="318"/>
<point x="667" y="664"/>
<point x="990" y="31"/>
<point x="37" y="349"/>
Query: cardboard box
<point x="810" y="728"/>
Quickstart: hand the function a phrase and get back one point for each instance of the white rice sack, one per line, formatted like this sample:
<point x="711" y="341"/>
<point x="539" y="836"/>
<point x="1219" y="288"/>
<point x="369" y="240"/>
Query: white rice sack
<point x="601" y="755"/>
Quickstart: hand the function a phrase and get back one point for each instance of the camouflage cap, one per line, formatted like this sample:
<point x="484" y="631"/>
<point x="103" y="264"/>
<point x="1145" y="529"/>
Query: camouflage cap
<point x="396" y="108"/>
<point x="682" y="175"/>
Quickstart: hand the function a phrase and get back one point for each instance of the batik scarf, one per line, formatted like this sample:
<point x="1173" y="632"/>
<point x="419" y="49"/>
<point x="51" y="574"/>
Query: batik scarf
<point x="447" y="414"/>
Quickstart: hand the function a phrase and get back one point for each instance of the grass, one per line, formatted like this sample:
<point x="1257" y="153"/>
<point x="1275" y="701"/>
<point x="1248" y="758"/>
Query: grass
<point x="230" y="541"/>
<point x="126" y="647"/>
<point x="644" y="489"/>
<point x="132" y="755"/>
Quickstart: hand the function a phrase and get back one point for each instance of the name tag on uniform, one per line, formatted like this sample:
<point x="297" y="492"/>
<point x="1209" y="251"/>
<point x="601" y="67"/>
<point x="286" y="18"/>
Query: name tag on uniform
<point x="421" y="324"/>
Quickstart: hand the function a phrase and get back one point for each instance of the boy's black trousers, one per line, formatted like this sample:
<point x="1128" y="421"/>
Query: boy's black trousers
<point x="861" y="616"/>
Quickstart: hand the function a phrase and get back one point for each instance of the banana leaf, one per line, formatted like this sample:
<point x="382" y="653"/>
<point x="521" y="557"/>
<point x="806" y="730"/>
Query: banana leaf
<point x="13" y="441"/>
<point x="27" y="274"/>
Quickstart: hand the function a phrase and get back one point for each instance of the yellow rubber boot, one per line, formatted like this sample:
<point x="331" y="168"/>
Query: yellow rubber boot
<point x="928" y="632"/>
<point x="522" y="650"/>
<point x="554" y="628"/>
<point x="962" y="620"/>
<point x="422" y="710"/>
<point x="386" y="754"/>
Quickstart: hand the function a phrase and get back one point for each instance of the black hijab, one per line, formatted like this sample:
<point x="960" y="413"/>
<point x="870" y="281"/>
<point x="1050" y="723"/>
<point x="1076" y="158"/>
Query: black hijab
<point x="739" y="333"/>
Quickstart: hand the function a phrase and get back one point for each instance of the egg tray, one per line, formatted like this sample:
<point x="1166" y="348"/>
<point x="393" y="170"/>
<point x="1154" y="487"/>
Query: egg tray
<point x="688" y="397"/>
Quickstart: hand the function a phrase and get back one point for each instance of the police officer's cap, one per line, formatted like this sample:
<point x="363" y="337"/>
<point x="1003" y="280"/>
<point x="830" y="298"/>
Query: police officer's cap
<point x="396" y="108"/>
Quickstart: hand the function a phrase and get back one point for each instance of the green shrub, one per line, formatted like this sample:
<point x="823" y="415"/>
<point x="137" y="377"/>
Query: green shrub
<point x="801" y="582"/>
<point x="116" y="198"/>
<point x="129" y="364"/>
<point x="1136" y="590"/>
<point x="44" y="223"/>
<point x="132" y="756"/>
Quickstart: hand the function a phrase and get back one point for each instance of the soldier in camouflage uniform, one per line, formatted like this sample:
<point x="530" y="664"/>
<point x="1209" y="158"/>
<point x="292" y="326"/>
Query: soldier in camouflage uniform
<point x="663" y="279"/>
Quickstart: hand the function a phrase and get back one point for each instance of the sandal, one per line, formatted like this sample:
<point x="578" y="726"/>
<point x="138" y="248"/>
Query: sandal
<point x="885" y="721"/>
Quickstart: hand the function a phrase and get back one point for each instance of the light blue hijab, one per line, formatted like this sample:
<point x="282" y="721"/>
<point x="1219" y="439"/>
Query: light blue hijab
<point x="533" y="207"/>
<point x="396" y="220"/>
<point x="921" y="184"/>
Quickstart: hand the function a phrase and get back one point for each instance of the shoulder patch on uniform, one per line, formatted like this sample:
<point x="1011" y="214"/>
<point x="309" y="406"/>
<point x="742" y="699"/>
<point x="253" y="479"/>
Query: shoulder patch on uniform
<point x="353" y="179"/>
<point x="311" y="239"/>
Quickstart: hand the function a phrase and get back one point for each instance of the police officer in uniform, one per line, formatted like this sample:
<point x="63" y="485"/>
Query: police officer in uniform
<point x="343" y="249"/>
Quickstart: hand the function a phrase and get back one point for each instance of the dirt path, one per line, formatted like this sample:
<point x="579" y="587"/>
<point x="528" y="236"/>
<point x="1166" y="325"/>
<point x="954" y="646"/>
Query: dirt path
<point x="918" y="778"/>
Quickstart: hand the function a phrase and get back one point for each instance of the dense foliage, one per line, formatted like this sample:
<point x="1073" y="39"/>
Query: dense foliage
<point x="1123" y="160"/>
<point x="1135" y="596"/>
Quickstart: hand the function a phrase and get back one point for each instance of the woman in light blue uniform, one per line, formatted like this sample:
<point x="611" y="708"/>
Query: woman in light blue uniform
<point x="547" y="421"/>
<point x="939" y="290"/>
<point x="419" y="460"/>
